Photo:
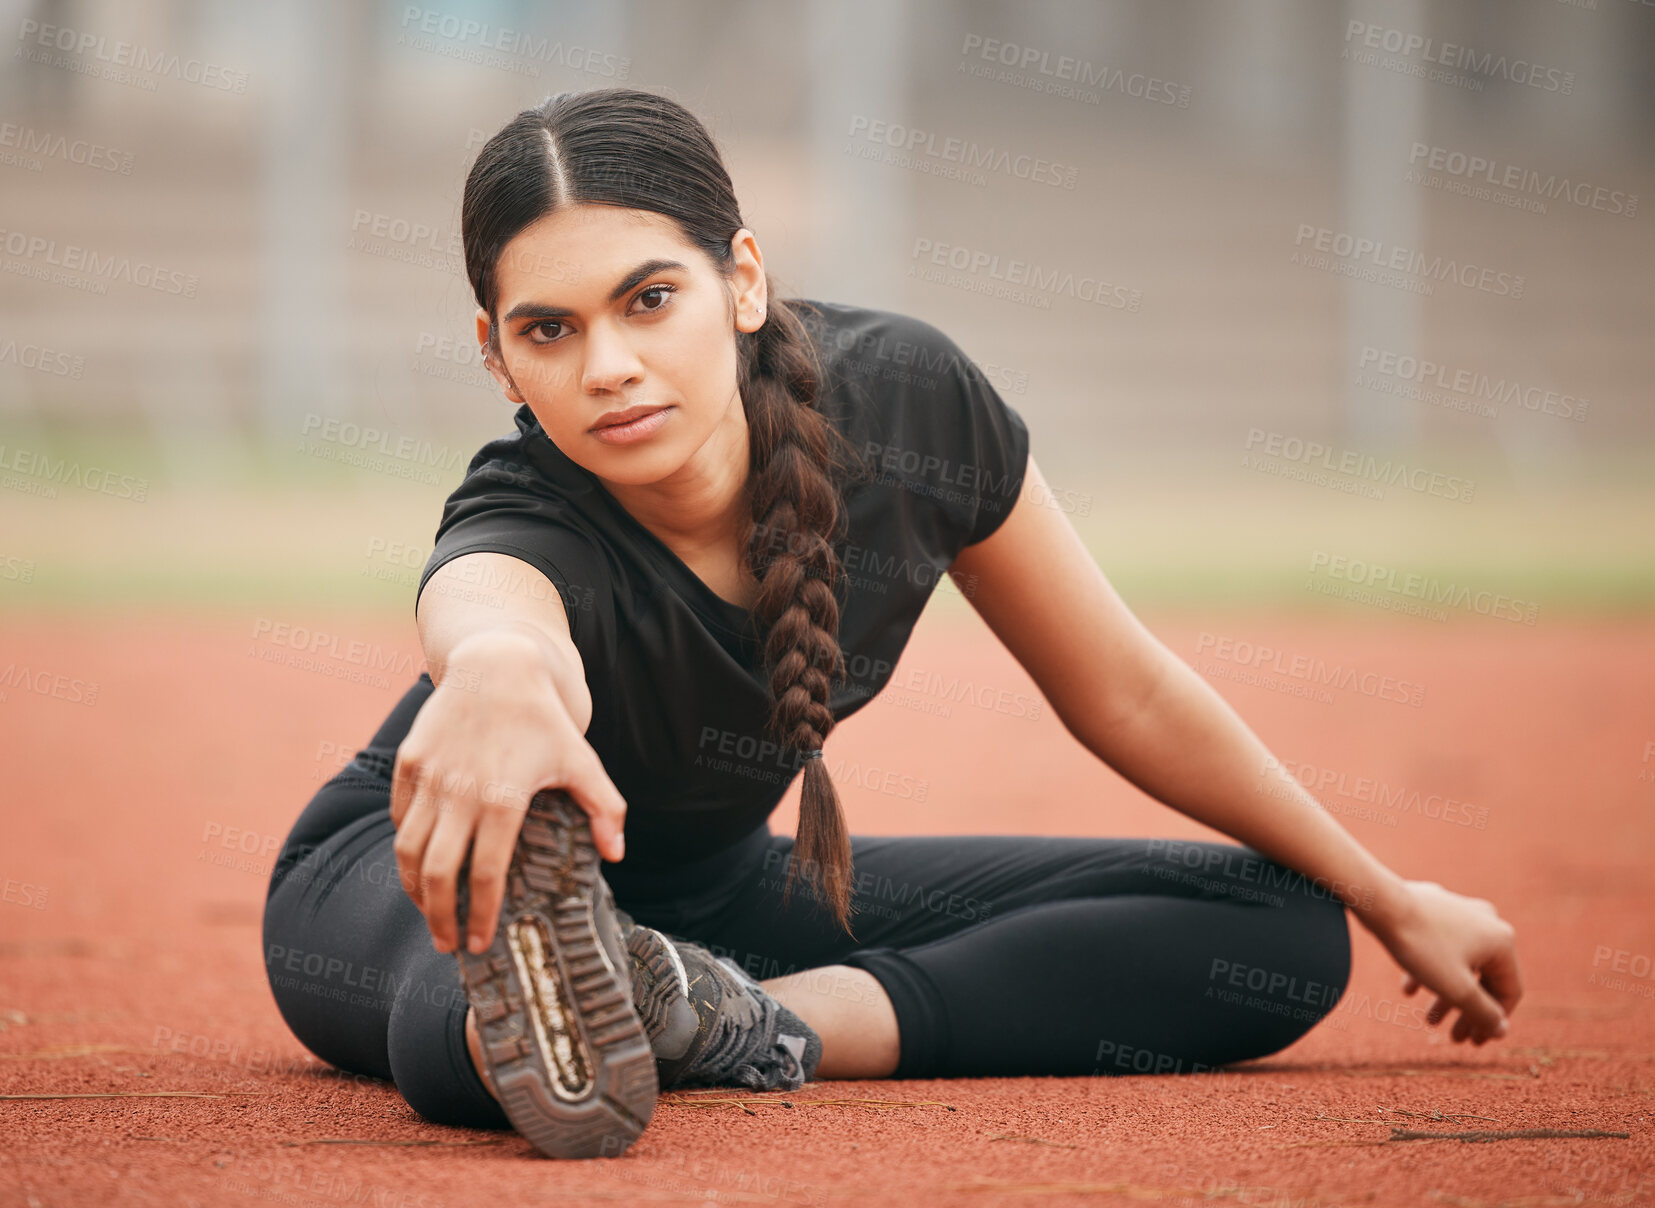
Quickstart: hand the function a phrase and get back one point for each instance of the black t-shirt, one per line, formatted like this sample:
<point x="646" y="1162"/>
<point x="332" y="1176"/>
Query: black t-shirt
<point x="679" y="698"/>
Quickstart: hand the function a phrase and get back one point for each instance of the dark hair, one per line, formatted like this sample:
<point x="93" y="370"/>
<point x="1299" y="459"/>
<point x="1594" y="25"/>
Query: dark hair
<point x="636" y="149"/>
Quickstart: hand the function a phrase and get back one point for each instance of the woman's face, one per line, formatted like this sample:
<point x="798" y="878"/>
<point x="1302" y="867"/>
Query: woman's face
<point x="601" y="309"/>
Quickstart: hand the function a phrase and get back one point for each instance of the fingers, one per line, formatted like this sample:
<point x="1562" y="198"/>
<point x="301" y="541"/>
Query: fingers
<point x="409" y="847"/>
<point x="440" y="874"/>
<point x="491" y="854"/>
<point x="418" y="817"/>
<point x="1481" y="1018"/>
<point x="404" y="780"/>
<point x="595" y="793"/>
<point x="1500" y="974"/>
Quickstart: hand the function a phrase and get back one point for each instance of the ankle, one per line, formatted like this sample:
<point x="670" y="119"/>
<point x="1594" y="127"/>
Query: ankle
<point x="474" y="1046"/>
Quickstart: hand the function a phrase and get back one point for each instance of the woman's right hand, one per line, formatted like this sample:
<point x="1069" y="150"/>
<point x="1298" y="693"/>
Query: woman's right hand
<point x="492" y="734"/>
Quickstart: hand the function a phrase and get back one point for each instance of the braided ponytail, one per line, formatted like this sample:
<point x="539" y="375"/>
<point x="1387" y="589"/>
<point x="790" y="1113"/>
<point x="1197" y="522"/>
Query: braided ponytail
<point x="798" y="517"/>
<point x="636" y="149"/>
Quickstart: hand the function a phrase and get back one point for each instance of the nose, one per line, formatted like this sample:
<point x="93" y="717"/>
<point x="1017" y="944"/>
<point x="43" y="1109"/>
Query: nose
<point x="608" y="361"/>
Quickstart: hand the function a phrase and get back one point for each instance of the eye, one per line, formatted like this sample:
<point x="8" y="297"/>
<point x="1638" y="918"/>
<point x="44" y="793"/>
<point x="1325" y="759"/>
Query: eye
<point x="662" y="290"/>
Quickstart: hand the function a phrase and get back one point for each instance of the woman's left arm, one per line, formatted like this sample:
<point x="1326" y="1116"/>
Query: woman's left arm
<point x="1148" y="715"/>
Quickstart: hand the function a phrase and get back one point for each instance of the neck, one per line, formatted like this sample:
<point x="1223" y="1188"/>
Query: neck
<point x="703" y="504"/>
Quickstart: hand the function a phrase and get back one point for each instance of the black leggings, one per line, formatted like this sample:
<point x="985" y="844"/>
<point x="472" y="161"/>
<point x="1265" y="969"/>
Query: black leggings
<point x="1001" y="954"/>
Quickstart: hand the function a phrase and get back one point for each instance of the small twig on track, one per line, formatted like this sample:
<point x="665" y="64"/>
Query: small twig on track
<point x="1030" y="1140"/>
<point x="872" y="1104"/>
<point x="1507" y="1134"/>
<point x="1436" y="1115"/>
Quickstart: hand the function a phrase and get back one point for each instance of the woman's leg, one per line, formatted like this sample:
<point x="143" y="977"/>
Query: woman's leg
<point x="1034" y="955"/>
<point x="349" y="956"/>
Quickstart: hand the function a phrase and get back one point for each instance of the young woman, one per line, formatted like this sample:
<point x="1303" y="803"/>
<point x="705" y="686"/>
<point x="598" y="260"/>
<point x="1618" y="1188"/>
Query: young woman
<point x="705" y="545"/>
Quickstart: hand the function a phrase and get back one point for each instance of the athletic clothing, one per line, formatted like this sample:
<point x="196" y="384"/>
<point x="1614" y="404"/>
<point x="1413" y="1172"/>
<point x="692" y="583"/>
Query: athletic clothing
<point x="1001" y="954"/>
<point x="679" y="695"/>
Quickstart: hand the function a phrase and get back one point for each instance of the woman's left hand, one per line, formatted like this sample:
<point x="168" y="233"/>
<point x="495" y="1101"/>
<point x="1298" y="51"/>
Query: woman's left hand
<point x="1462" y="950"/>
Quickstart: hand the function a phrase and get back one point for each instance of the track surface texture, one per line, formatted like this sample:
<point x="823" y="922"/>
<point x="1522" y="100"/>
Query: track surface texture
<point x="137" y="833"/>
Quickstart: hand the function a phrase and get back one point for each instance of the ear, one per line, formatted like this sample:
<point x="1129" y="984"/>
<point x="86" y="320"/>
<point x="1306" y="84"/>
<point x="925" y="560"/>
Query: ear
<point x="490" y="363"/>
<point x="751" y="292"/>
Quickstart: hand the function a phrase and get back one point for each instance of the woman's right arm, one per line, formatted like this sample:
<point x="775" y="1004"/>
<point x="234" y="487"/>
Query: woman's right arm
<point x="507" y="719"/>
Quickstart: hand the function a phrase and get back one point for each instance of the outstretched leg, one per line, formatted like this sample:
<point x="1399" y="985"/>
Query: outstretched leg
<point x="1020" y="955"/>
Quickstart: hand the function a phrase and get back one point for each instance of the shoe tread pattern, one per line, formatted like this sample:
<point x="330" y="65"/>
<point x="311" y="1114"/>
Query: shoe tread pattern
<point x="554" y="877"/>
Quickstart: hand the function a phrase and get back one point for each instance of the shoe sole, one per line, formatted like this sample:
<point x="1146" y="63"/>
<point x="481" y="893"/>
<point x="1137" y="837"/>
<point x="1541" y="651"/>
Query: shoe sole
<point x="565" y="1049"/>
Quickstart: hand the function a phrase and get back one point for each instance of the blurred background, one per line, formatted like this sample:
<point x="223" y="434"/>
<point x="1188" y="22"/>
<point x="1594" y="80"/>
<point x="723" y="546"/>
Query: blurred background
<point x="1331" y="323"/>
<point x="1269" y="281"/>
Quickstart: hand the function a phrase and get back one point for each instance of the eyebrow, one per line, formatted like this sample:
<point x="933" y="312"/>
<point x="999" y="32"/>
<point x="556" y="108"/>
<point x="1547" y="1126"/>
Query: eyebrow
<point x="536" y="310"/>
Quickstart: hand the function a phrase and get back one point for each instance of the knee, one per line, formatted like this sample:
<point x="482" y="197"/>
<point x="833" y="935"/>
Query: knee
<point x="1326" y="945"/>
<point x="429" y="1059"/>
<point x="1319" y="938"/>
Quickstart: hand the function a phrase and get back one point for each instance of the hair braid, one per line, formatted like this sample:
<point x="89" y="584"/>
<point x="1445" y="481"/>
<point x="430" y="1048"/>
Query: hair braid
<point x="798" y="516"/>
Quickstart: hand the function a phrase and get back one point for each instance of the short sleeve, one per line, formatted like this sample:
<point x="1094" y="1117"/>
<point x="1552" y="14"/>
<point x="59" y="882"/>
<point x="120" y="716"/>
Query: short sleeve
<point x="969" y="447"/>
<point x="505" y="505"/>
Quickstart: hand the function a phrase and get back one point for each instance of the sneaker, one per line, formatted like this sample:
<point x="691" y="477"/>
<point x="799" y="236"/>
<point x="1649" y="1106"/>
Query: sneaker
<point x="710" y="1024"/>
<point x="564" y="1047"/>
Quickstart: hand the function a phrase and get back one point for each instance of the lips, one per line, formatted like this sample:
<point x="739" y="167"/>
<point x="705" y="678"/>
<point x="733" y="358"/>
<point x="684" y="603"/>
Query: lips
<point x="618" y="418"/>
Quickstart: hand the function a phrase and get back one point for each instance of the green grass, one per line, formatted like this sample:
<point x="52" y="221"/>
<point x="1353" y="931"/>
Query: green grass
<point x="231" y="524"/>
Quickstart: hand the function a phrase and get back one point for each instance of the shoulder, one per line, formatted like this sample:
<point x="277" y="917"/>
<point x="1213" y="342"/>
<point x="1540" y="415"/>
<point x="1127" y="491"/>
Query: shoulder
<point x="866" y="342"/>
<point x="521" y="496"/>
<point x="894" y="377"/>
